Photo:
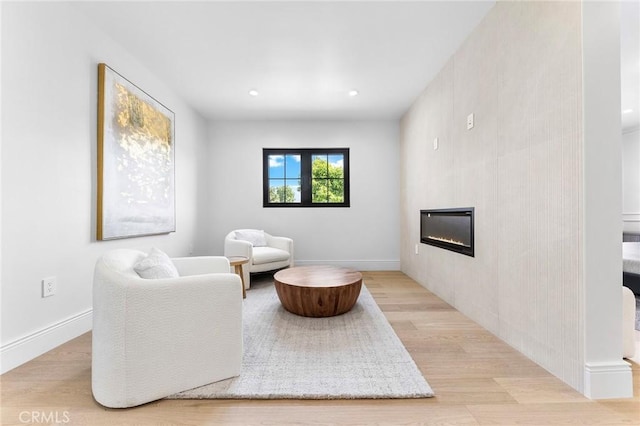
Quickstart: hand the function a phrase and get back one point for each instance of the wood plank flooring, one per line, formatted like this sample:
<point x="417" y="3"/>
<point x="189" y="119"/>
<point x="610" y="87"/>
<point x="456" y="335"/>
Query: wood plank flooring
<point x="477" y="379"/>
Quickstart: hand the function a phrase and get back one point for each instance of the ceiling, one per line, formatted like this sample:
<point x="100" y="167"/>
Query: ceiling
<point x="304" y="57"/>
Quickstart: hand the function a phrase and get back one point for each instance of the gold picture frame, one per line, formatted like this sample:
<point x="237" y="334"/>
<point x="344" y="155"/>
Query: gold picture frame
<point x="136" y="161"/>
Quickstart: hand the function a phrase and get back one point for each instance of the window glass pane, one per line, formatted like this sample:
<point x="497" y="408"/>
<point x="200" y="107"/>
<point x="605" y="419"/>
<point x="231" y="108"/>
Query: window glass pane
<point x="276" y="190"/>
<point x="292" y="162"/>
<point x="276" y="166"/>
<point x="292" y="191"/>
<point x="336" y="165"/>
<point x="319" y="166"/>
<point x="319" y="190"/>
<point x="336" y="190"/>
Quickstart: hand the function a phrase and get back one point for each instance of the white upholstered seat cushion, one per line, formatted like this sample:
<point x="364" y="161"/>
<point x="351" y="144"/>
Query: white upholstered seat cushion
<point x="262" y="255"/>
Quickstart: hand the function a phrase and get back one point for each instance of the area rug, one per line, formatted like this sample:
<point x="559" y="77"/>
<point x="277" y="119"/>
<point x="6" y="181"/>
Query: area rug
<point x="354" y="355"/>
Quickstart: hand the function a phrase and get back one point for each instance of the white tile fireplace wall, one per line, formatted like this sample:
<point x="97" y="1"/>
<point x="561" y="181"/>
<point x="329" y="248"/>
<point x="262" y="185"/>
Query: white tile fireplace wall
<point x="521" y="167"/>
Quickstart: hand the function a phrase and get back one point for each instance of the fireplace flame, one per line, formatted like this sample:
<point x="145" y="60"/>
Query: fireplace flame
<point x="448" y="240"/>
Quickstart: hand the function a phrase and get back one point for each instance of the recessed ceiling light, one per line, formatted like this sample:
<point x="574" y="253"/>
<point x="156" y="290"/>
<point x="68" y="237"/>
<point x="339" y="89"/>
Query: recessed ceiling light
<point x="353" y="93"/>
<point x="253" y="92"/>
<point x="627" y="111"/>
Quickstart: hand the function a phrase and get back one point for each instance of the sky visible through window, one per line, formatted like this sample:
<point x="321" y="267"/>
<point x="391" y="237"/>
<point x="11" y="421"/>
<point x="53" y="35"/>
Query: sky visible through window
<point x="284" y="172"/>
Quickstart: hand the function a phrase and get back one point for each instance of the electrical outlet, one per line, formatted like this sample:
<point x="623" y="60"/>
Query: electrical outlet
<point x="49" y="286"/>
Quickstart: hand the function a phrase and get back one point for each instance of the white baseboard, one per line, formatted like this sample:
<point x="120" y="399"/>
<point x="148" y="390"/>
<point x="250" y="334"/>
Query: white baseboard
<point x="631" y="222"/>
<point x="631" y="217"/>
<point x="607" y="380"/>
<point x="359" y="265"/>
<point x="29" y="347"/>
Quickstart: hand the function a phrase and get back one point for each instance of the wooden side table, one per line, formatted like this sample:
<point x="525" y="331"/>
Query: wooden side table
<point x="237" y="262"/>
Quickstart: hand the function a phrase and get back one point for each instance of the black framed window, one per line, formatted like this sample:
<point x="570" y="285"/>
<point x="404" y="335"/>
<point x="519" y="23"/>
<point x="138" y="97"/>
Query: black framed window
<point x="305" y="177"/>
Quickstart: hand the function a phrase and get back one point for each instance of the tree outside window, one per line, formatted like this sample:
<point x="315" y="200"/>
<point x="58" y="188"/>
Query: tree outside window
<point x="327" y="178"/>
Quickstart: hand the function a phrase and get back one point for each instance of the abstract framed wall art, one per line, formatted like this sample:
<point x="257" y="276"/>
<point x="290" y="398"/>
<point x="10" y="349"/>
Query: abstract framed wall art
<point x="136" y="161"/>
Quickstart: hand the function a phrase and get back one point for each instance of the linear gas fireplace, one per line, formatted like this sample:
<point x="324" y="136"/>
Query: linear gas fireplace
<point x="450" y="229"/>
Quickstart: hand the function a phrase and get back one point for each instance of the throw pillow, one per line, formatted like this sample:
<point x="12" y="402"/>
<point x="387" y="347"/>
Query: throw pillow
<point x="255" y="237"/>
<point x="156" y="265"/>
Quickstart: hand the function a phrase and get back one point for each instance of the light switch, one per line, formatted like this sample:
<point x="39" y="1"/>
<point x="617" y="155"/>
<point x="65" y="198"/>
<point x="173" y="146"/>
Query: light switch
<point x="470" y="121"/>
<point x="435" y="143"/>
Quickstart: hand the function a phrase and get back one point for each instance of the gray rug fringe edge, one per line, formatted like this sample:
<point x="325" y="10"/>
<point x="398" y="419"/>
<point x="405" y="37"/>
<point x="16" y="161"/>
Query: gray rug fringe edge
<point x="308" y="397"/>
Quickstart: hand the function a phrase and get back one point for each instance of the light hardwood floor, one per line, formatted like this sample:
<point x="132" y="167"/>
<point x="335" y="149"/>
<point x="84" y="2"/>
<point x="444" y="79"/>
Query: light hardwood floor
<point x="477" y="379"/>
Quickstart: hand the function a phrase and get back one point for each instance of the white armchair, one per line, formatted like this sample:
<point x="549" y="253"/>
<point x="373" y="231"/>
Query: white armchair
<point x="265" y="252"/>
<point x="156" y="337"/>
<point x="628" y="323"/>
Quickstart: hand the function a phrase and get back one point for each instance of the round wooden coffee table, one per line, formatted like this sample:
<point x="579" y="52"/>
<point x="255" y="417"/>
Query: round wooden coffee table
<point x="318" y="291"/>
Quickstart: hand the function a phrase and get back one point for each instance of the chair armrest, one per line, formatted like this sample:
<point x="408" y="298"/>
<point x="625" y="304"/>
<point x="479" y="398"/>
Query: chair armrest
<point x="238" y="248"/>
<point x="282" y="243"/>
<point x="201" y="265"/>
<point x="175" y="310"/>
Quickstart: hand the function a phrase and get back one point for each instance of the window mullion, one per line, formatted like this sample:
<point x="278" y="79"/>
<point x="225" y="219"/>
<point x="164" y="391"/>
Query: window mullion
<point x="305" y="164"/>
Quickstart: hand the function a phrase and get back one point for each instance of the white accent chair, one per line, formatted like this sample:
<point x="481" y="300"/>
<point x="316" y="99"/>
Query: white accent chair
<point x="156" y="337"/>
<point x="628" y="323"/>
<point x="269" y="255"/>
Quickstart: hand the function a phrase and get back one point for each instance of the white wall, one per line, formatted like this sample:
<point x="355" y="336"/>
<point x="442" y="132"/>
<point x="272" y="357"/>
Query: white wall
<point x="50" y="54"/>
<point x="364" y="236"/>
<point x="631" y="181"/>
<point x="606" y="374"/>
<point x="521" y="167"/>
<point x="1" y="38"/>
